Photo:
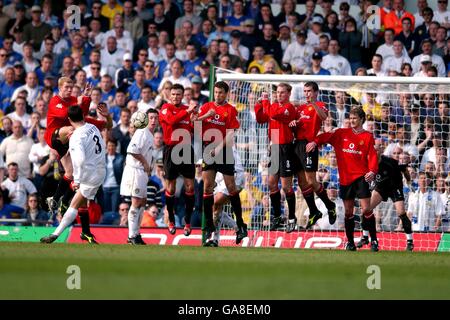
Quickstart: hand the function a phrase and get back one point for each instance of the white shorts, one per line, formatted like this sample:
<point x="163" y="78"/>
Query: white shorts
<point x="222" y="188"/>
<point x="88" y="192"/>
<point x="134" y="183"/>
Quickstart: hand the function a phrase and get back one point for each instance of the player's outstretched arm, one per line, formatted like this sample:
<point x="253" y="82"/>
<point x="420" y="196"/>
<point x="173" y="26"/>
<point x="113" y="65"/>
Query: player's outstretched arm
<point x="321" y="112"/>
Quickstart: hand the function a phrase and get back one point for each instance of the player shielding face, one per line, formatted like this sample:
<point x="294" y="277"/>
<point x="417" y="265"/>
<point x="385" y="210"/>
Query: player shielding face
<point x="310" y="117"/>
<point x="135" y="175"/>
<point x="175" y="119"/>
<point x="219" y="120"/>
<point x="279" y="114"/>
<point x="389" y="184"/>
<point x="89" y="169"/>
<point x="357" y="164"/>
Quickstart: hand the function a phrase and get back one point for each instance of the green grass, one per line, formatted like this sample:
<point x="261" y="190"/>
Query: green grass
<point x="35" y="271"/>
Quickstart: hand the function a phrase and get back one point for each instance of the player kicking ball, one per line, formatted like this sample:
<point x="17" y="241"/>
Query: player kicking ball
<point x="389" y="184"/>
<point x="357" y="165"/>
<point x="87" y="150"/>
<point x="135" y="175"/>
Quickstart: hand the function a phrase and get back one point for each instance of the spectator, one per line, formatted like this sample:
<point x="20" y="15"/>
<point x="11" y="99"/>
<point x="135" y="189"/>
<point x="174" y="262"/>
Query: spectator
<point x="29" y="62"/>
<point x="36" y="30"/>
<point x="442" y="14"/>
<point x="34" y="214"/>
<point x="430" y="155"/>
<point x="334" y="62"/>
<point x="425" y="206"/>
<point x="394" y="18"/>
<point x="188" y="6"/>
<point x="427" y="47"/>
<point x="396" y="61"/>
<point x="125" y="75"/>
<point x="150" y="218"/>
<point x="298" y="54"/>
<point x="16" y="148"/>
<point x="439" y="47"/>
<point x="350" y="43"/>
<point x="7" y="88"/>
<point x="264" y="16"/>
<point x="315" y="32"/>
<point x="132" y="22"/>
<point x="176" y="68"/>
<point x="114" y="170"/>
<point x="120" y="132"/>
<point x="316" y="68"/>
<point x="6" y="130"/>
<point x="110" y="9"/>
<point x="111" y="56"/>
<point x="236" y="20"/>
<point x="377" y="63"/>
<point x="203" y="36"/>
<point x="270" y="44"/>
<point x="387" y="49"/>
<point x="38" y="151"/>
<point x="418" y="16"/>
<point x="407" y="37"/>
<point x="340" y="109"/>
<point x="18" y="187"/>
<point x="9" y="211"/>
<point x="161" y="22"/>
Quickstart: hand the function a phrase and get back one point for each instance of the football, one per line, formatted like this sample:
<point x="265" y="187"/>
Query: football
<point x="139" y="120"/>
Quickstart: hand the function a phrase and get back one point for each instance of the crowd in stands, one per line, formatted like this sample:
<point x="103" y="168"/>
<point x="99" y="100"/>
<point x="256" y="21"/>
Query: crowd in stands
<point x="133" y="51"/>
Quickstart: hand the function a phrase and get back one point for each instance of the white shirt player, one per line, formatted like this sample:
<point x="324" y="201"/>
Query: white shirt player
<point x="425" y="208"/>
<point x="135" y="179"/>
<point x="238" y="176"/>
<point x="87" y="150"/>
<point x="141" y="143"/>
<point x="337" y="65"/>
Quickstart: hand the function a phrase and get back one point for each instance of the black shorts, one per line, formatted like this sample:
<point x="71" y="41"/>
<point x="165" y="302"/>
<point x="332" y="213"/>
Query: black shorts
<point x="387" y="190"/>
<point x="306" y="161"/>
<point x="357" y="189"/>
<point x="172" y="170"/>
<point x="282" y="160"/>
<point x="221" y="163"/>
<point x="58" y="145"/>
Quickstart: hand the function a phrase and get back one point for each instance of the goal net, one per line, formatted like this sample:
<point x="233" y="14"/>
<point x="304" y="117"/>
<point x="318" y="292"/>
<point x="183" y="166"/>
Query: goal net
<point x="410" y="113"/>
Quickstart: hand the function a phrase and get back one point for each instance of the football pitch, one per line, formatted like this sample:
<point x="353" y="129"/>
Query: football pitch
<point x="35" y="271"/>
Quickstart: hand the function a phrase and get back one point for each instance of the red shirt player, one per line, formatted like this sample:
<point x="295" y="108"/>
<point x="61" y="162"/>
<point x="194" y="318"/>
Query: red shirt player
<point x="279" y="115"/>
<point x="175" y="119"/>
<point x="310" y="118"/>
<point x="357" y="164"/>
<point x="219" y="120"/>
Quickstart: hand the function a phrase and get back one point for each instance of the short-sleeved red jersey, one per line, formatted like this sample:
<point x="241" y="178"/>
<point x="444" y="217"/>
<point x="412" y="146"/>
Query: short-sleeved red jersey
<point x="310" y="121"/>
<point x="355" y="153"/>
<point x="57" y="115"/>
<point x="225" y="118"/>
<point x="278" y="116"/>
<point x="173" y="118"/>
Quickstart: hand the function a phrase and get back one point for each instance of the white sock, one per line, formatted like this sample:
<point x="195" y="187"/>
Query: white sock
<point x="365" y="233"/>
<point x="66" y="221"/>
<point x="132" y="219"/>
<point x="409" y="236"/>
<point x="139" y="220"/>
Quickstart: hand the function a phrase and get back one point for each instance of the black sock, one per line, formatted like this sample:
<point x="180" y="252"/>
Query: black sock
<point x="322" y="194"/>
<point x="170" y="202"/>
<point x="275" y="199"/>
<point x="371" y="226"/>
<point x="63" y="186"/>
<point x="84" y="220"/>
<point x="208" y="202"/>
<point x="190" y="202"/>
<point x="308" y="194"/>
<point x="290" y="198"/>
<point x="350" y="228"/>
<point x="237" y="208"/>
<point x="406" y="223"/>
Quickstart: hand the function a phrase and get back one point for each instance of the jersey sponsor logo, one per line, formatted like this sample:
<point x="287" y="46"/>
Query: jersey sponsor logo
<point x="217" y="117"/>
<point x="351" y="146"/>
